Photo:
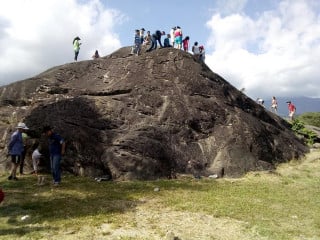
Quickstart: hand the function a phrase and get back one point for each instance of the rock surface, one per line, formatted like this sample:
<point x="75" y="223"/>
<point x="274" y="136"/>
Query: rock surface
<point x="148" y="116"/>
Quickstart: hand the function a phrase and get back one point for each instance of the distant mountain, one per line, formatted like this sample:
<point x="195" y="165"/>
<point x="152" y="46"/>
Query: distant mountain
<point x="303" y="104"/>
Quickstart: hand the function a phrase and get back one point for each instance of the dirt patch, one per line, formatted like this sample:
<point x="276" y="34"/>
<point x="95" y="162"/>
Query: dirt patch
<point x="151" y="221"/>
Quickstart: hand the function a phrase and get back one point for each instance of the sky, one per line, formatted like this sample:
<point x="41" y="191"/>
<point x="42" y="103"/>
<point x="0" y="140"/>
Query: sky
<point x="266" y="47"/>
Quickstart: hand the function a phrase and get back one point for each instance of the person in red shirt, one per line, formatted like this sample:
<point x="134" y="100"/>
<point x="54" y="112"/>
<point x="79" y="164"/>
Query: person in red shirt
<point x="185" y="43"/>
<point x="292" y="110"/>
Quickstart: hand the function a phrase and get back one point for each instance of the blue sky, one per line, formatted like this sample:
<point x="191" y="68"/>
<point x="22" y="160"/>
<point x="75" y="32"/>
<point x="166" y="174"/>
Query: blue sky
<point x="268" y="47"/>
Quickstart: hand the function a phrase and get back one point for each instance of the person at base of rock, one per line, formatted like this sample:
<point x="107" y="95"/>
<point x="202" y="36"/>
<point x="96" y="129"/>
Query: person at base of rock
<point x="185" y="43"/>
<point x="24" y="152"/>
<point x="15" y="149"/>
<point x="195" y="50"/>
<point x="166" y="42"/>
<point x="292" y="110"/>
<point x="36" y="155"/>
<point x="156" y="37"/>
<point x="56" y="150"/>
<point x="274" y="104"/>
<point x="96" y="55"/>
<point x="76" y="47"/>
<point x="147" y="39"/>
<point x="1" y="195"/>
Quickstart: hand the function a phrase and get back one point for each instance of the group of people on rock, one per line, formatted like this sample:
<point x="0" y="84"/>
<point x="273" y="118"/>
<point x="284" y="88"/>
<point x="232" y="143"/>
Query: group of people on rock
<point x="274" y="106"/>
<point x="173" y="39"/>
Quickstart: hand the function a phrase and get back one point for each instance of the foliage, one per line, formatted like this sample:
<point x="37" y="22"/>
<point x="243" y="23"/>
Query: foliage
<point x="310" y="118"/>
<point x="299" y="128"/>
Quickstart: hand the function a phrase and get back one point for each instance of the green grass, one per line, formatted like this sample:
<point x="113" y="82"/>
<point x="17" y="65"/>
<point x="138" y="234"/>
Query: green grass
<point x="280" y="205"/>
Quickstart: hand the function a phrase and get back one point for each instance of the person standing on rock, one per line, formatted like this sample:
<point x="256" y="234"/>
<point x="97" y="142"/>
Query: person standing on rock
<point x="274" y="104"/>
<point x="156" y="37"/>
<point x="292" y="110"/>
<point x="76" y="47"/>
<point x="16" y="149"/>
<point x="56" y="150"/>
<point x="185" y="43"/>
<point x="195" y="50"/>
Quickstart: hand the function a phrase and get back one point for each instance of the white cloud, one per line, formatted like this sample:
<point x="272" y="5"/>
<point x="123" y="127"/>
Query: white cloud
<point x="274" y="54"/>
<point x="36" y="34"/>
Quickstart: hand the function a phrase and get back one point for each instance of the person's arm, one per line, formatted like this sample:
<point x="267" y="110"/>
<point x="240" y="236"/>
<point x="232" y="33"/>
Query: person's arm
<point x="63" y="147"/>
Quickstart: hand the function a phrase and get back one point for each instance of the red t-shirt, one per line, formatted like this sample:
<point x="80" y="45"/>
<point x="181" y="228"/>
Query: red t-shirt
<point x="291" y="107"/>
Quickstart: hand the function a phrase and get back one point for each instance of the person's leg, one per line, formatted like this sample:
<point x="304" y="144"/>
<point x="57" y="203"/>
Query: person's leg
<point x="23" y="155"/>
<point x="56" y="168"/>
<point x="15" y="159"/>
<point x="152" y="44"/>
<point x="76" y="53"/>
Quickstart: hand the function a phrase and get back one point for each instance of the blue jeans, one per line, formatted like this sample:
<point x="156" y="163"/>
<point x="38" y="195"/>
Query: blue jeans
<point x="55" y="167"/>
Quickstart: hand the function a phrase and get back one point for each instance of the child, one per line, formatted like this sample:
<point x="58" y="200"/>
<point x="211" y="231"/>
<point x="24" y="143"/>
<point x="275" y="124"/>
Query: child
<point x="36" y="155"/>
<point x="185" y="44"/>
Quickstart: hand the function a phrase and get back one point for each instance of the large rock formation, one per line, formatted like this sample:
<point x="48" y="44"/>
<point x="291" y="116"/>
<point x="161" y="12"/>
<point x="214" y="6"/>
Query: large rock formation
<point x="147" y="117"/>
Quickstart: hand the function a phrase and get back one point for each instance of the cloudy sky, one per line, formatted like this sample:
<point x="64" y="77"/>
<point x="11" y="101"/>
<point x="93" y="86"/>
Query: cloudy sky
<point x="268" y="47"/>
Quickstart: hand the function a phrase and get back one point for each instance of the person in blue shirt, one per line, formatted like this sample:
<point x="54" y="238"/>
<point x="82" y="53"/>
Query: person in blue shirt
<point x="16" y="148"/>
<point x="56" y="150"/>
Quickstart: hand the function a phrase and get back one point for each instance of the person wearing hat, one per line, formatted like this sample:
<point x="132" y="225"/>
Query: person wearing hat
<point x="15" y="148"/>
<point x="76" y="47"/>
<point x="56" y="150"/>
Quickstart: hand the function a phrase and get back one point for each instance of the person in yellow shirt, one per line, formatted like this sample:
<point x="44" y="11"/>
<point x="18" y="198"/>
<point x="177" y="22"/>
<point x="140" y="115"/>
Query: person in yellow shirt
<point x="76" y="47"/>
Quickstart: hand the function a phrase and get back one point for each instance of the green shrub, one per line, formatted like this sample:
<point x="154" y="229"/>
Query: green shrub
<point x="310" y="118"/>
<point x="299" y="128"/>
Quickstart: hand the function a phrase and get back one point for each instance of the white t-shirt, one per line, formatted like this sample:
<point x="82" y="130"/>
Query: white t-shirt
<point x="36" y="154"/>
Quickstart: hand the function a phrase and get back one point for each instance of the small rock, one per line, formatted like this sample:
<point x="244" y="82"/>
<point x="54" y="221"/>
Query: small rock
<point x="213" y="176"/>
<point x="156" y="189"/>
<point x="25" y="217"/>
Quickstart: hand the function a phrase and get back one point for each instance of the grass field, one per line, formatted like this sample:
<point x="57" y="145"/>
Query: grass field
<point x="284" y="204"/>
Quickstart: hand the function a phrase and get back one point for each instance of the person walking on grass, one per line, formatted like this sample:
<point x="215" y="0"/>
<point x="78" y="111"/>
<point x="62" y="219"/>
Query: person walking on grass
<point x="16" y="149"/>
<point x="56" y="150"/>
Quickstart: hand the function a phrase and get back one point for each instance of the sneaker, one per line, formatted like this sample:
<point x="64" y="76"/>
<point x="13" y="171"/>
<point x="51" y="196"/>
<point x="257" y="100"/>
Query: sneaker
<point x="15" y="178"/>
<point x="10" y="177"/>
<point x="55" y="184"/>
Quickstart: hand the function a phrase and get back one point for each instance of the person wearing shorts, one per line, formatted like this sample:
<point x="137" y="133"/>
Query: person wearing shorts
<point x="16" y="148"/>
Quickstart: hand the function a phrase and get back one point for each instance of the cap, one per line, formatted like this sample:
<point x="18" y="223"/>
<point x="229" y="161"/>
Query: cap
<point x="22" y="126"/>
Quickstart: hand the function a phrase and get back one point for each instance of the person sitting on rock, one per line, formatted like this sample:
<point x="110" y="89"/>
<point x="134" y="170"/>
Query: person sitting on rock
<point x="166" y="42"/>
<point x="156" y="37"/>
<point x="147" y="39"/>
<point x="96" y="55"/>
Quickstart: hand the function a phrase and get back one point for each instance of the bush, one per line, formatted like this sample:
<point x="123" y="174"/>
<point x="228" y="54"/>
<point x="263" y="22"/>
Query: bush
<point x="310" y="118"/>
<point x="299" y="128"/>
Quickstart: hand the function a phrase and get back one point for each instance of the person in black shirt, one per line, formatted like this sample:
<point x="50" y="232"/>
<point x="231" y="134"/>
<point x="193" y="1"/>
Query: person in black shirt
<point x="156" y="37"/>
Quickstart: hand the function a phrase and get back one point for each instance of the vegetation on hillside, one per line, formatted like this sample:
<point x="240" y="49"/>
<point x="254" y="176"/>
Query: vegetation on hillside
<point x="299" y="128"/>
<point x="310" y="118"/>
